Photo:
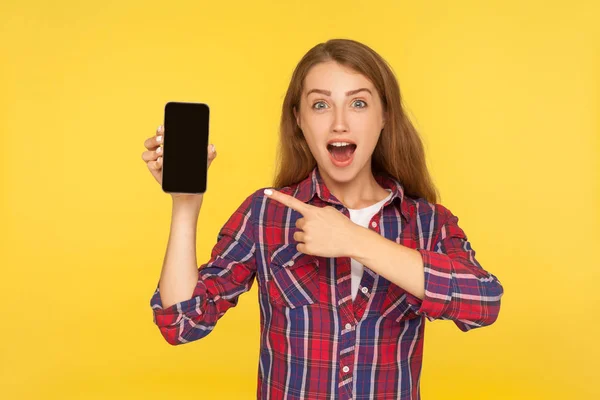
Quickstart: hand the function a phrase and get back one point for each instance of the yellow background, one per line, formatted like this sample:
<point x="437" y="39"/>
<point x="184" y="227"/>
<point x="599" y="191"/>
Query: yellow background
<point x="504" y="93"/>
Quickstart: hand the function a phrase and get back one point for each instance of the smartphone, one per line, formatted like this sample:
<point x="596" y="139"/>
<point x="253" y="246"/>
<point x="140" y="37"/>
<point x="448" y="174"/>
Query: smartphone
<point x="185" y="146"/>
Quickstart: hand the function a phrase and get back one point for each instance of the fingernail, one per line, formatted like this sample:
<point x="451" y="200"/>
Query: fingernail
<point x="212" y="148"/>
<point x="159" y="139"/>
<point x="268" y="192"/>
<point x="159" y="150"/>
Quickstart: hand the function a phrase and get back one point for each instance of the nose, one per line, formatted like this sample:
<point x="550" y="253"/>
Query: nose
<point x="339" y="122"/>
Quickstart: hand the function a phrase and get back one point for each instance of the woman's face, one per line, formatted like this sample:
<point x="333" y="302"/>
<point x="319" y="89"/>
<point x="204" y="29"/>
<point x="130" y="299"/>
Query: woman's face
<point x="341" y="105"/>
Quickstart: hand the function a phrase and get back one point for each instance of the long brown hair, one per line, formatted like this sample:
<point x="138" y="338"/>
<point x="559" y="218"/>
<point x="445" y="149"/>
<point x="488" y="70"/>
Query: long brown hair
<point x="399" y="152"/>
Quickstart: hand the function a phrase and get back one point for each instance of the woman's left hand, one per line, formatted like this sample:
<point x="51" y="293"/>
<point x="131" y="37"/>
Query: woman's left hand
<point x="323" y="232"/>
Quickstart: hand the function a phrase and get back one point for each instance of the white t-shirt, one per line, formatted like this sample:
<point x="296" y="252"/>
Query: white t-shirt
<point x="362" y="217"/>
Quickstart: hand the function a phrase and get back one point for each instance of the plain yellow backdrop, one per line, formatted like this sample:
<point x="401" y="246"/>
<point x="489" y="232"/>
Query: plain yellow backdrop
<point x="505" y="94"/>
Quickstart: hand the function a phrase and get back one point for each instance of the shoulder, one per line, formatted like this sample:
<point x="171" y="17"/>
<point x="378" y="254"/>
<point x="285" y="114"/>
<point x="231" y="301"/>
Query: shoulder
<point x="430" y="217"/>
<point x="258" y="196"/>
<point x="262" y="201"/>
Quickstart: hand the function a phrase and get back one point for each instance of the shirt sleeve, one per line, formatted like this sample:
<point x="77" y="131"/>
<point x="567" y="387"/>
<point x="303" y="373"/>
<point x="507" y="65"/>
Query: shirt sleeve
<point x="229" y="272"/>
<point x="457" y="288"/>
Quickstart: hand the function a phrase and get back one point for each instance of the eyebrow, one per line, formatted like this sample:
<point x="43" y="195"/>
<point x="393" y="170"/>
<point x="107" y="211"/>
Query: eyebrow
<point x="328" y="93"/>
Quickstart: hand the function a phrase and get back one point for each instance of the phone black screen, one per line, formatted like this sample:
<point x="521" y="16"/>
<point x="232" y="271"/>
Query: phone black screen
<point x="185" y="145"/>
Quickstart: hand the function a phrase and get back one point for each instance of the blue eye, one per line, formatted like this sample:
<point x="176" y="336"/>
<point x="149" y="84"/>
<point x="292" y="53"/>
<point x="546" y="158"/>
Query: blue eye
<point x="321" y="102"/>
<point x="318" y="108"/>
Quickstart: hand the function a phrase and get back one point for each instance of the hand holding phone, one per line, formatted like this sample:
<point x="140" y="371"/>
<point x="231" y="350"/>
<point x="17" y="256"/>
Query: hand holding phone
<point x="185" y="164"/>
<point x="154" y="156"/>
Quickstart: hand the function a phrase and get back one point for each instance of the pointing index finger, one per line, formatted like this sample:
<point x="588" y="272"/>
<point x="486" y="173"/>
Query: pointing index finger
<point x="289" y="201"/>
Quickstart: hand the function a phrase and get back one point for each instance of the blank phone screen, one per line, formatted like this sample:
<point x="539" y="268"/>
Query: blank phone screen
<point x="185" y="145"/>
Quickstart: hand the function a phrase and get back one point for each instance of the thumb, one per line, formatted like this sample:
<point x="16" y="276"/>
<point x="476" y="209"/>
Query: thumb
<point x="212" y="153"/>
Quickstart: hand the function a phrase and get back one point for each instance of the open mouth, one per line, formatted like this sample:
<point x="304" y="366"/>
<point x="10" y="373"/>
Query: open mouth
<point x="341" y="153"/>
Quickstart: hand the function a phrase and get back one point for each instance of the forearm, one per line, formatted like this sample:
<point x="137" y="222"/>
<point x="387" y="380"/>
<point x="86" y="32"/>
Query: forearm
<point x="179" y="275"/>
<point x="399" y="264"/>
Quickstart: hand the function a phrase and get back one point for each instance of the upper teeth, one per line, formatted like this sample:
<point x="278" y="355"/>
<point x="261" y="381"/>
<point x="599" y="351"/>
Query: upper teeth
<point x="340" y="144"/>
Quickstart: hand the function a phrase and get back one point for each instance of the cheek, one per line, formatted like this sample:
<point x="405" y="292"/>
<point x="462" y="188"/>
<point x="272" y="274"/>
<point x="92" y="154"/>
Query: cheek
<point x="312" y="141"/>
<point x="318" y="126"/>
<point x="315" y="133"/>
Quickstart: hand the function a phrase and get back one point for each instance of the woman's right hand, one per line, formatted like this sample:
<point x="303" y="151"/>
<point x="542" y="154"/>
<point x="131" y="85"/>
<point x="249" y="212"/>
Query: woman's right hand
<point x="153" y="158"/>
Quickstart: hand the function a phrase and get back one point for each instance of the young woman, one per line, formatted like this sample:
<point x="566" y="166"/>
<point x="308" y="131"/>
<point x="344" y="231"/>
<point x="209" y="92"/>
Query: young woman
<point x="351" y="253"/>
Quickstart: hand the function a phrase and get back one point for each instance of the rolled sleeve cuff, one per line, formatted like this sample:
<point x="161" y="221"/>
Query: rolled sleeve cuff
<point x="187" y="309"/>
<point x="438" y="284"/>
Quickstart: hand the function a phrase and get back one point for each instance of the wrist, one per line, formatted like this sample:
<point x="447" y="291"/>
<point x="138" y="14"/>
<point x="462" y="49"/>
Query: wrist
<point x="186" y="207"/>
<point x="187" y="201"/>
<point x="359" y="239"/>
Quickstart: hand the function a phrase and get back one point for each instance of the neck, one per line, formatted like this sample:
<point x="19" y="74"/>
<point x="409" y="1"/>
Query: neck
<point x="359" y="192"/>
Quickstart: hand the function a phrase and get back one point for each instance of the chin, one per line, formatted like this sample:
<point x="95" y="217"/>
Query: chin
<point x="343" y="174"/>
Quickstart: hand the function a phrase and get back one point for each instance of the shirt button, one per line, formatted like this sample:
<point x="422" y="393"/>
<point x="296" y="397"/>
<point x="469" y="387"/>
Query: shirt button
<point x="374" y="224"/>
<point x="348" y="326"/>
<point x="291" y="263"/>
<point x="364" y="290"/>
<point x="346" y="369"/>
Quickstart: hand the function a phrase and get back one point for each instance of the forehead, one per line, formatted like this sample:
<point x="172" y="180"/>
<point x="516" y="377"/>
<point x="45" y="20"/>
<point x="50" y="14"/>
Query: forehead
<point x="335" y="77"/>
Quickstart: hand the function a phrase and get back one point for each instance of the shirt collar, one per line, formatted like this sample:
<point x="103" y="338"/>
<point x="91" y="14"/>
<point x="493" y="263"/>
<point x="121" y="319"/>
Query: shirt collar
<point x="314" y="184"/>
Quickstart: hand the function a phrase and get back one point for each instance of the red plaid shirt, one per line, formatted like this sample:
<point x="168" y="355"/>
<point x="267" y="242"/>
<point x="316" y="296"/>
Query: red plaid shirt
<point x="315" y="341"/>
